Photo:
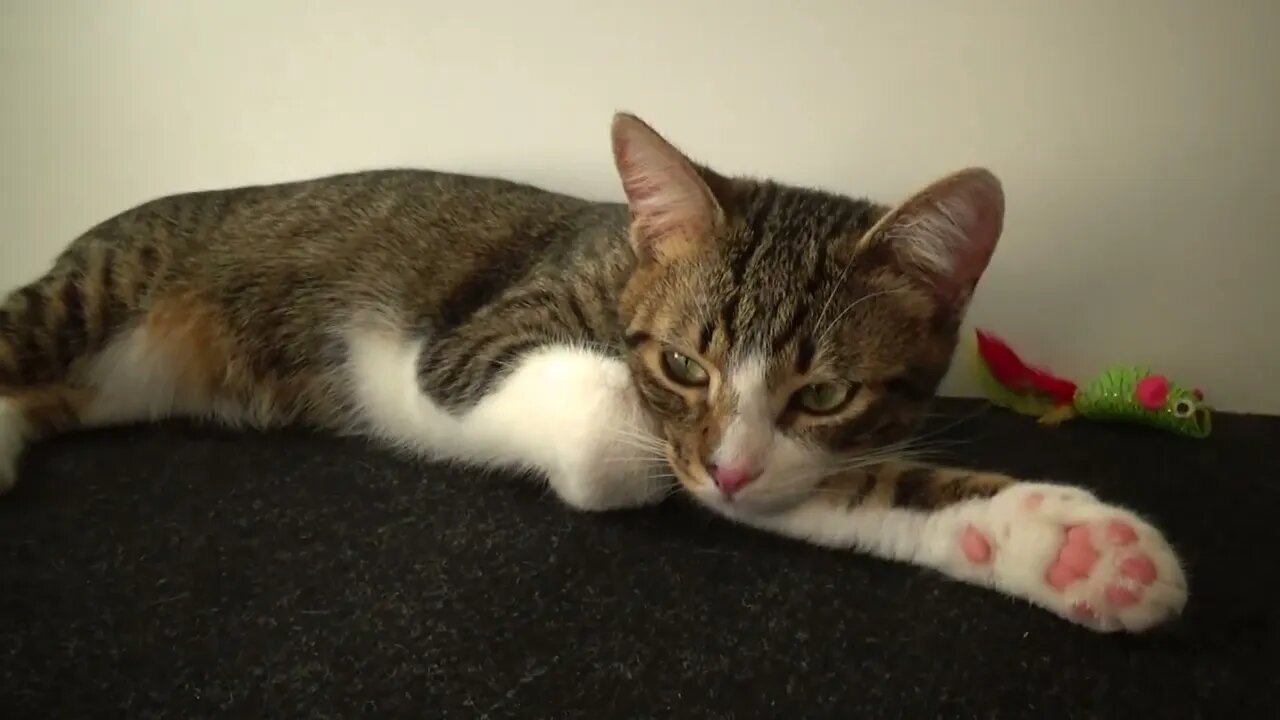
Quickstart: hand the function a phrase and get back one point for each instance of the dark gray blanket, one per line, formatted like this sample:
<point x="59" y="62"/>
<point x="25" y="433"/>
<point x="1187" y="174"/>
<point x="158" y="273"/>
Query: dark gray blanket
<point x="191" y="573"/>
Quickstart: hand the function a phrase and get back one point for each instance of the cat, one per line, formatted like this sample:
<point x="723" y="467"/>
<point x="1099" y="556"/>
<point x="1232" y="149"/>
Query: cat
<point x="769" y="349"/>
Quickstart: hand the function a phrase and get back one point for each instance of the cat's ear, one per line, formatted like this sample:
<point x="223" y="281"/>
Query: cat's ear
<point x="673" y="210"/>
<point x="945" y="234"/>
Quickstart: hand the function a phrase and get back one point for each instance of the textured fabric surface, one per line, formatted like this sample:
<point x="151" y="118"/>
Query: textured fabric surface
<point x="185" y="572"/>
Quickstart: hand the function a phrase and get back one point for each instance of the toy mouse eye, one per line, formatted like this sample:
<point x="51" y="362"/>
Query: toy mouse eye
<point x="1184" y="408"/>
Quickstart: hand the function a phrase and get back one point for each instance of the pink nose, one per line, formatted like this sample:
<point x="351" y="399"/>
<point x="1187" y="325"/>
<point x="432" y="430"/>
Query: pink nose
<point x="732" y="478"/>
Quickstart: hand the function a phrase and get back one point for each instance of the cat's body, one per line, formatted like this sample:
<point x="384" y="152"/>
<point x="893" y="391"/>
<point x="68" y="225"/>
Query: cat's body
<point x="765" y="347"/>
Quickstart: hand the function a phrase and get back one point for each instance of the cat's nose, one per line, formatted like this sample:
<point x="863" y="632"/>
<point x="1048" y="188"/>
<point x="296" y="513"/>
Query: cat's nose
<point x="732" y="478"/>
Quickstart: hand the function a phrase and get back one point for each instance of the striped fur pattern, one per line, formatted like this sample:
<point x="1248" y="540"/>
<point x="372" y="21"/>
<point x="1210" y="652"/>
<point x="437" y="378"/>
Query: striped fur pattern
<point x="249" y="290"/>
<point x="767" y="348"/>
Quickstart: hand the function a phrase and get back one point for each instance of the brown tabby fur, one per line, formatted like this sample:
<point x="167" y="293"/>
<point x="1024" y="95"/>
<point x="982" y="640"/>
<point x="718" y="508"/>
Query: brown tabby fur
<point x="245" y="290"/>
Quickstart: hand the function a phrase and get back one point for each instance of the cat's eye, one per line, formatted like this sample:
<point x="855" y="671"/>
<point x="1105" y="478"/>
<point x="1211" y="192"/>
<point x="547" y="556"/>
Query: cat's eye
<point x="683" y="369"/>
<point x="822" y="398"/>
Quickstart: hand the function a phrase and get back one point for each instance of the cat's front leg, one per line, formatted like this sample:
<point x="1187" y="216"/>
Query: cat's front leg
<point x="613" y="462"/>
<point x="604" y="489"/>
<point x="573" y="415"/>
<point x="1057" y="546"/>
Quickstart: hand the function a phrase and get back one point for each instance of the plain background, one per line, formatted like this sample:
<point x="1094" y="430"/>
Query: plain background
<point x="1138" y="141"/>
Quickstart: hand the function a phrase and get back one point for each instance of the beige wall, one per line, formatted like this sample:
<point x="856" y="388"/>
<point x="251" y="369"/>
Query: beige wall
<point x="1137" y="140"/>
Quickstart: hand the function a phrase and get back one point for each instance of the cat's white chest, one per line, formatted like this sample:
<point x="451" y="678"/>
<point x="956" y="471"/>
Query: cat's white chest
<point x="568" y="413"/>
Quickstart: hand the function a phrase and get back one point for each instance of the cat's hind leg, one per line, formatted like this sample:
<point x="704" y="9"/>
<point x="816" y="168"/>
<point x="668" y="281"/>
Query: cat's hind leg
<point x="132" y="378"/>
<point x="54" y="329"/>
<point x="175" y="356"/>
<point x="27" y="415"/>
<point x="47" y="329"/>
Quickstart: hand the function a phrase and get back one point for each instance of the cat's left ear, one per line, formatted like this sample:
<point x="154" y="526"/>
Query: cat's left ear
<point x="945" y="234"/>
<point x="673" y="209"/>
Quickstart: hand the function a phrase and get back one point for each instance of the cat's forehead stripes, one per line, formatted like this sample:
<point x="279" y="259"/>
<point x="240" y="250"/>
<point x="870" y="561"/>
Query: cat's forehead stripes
<point x="762" y="289"/>
<point x="778" y="263"/>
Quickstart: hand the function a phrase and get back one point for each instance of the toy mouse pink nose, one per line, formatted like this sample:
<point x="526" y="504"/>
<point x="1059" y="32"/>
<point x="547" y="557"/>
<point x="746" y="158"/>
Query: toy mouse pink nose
<point x="732" y="478"/>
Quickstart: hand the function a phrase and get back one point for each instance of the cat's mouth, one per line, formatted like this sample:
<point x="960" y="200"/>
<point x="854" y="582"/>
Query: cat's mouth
<point x="687" y="474"/>
<point x="696" y="478"/>
<point x="760" y="497"/>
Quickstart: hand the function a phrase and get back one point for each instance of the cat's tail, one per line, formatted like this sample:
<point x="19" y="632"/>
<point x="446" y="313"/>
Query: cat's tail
<point x="53" y="327"/>
<point x="49" y="325"/>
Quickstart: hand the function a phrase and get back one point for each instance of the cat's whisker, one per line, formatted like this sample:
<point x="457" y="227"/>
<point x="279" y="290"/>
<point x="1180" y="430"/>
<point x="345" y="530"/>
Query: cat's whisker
<point x="640" y="444"/>
<point x="861" y="463"/>
<point x="631" y="460"/>
<point x="899" y="452"/>
<point x="638" y="437"/>
<point x="835" y="322"/>
<point x="673" y="488"/>
<point x="810" y="480"/>
<point x="835" y="290"/>
<point x="640" y="441"/>
<point x="638" y="433"/>
<point x="958" y="421"/>
<point x="646" y="450"/>
<point x="640" y="451"/>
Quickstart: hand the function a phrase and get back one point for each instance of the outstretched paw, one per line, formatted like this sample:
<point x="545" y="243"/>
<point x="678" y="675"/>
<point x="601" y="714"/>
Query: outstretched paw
<point x="1095" y="564"/>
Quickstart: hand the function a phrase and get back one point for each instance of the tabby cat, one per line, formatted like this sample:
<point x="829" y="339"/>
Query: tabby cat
<point x="767" y="348"/>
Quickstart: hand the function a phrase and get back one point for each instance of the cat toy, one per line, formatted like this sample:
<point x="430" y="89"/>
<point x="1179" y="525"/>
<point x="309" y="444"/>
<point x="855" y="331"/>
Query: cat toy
<point x="1124" y="393"/>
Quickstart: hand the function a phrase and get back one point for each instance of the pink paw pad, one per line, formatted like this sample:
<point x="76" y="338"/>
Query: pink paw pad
<point x="1140" y="568"/>
<point x="1075" y="560"/>
<point x="975" y="545"/>
<point x="1120" y="532"/>
<point x="1084" y="612"/>
<point x="1078" y="556"/>
<point x="1121" y="596"/>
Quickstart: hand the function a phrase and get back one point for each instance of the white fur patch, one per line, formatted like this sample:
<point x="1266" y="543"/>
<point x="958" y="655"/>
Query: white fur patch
<point x="138" y="380"/>
<point x="134" y="380"/>
<point x="789" y="469"/>
<point x="748" y="439"/>
<point x="133" y="383"/>
<point x="566" y="412"/>
<point x="383" y="371"/>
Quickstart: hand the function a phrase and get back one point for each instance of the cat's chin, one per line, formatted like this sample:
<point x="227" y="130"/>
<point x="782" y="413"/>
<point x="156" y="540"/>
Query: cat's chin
<point x="743" y="504"/>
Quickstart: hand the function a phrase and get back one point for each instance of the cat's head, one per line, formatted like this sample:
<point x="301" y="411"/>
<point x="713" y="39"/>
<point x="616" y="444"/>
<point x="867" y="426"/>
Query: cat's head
<point x="779" y="333"/>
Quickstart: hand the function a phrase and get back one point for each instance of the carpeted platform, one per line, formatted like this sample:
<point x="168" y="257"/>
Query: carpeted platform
<point x="193" y="573"/>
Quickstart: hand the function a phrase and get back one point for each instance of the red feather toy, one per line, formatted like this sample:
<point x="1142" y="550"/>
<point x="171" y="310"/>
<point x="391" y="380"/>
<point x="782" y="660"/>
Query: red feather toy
<point x="1010" y="371"/>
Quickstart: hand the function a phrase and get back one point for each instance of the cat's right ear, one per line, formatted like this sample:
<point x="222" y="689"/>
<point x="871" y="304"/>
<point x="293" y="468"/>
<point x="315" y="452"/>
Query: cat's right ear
<point x="673" y="210"/>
